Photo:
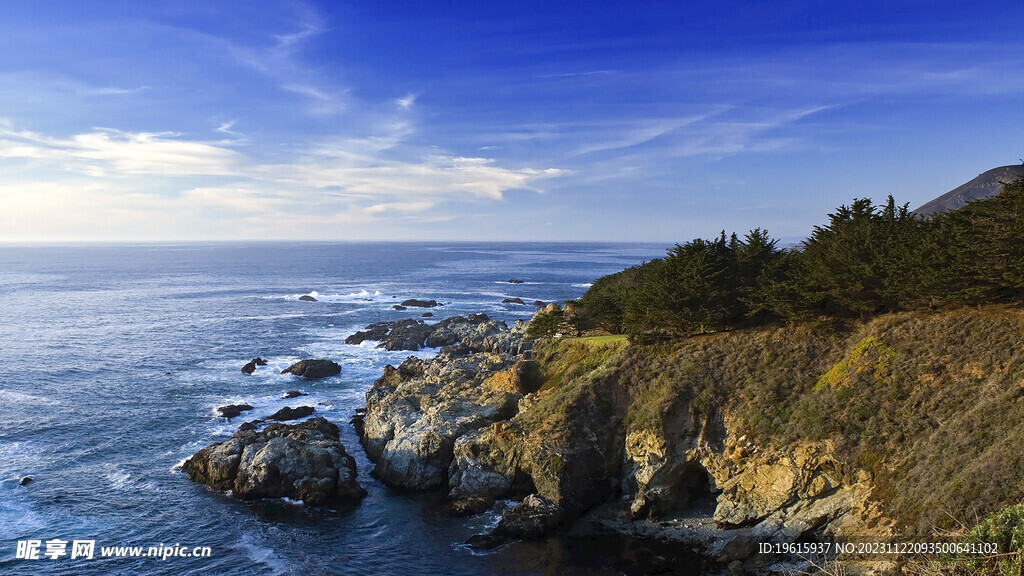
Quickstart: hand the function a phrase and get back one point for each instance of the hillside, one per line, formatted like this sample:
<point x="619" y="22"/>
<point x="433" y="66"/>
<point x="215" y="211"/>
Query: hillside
<point x="986" y="184"/>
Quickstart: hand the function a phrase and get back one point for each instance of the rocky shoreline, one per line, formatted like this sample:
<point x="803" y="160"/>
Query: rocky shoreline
<point x="474" y="422"/>
<point x="481" y="421"/>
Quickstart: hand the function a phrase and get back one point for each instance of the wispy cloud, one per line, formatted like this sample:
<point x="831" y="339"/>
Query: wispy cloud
<point x="107" y="151"/>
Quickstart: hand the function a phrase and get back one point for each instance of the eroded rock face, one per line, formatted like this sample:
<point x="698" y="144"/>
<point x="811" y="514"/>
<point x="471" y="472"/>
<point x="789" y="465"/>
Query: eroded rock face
<point x="304" y="461"/>
<point x="313" y="369"/>
<point x="780" y="495"/>
<point x="416" y="412"/>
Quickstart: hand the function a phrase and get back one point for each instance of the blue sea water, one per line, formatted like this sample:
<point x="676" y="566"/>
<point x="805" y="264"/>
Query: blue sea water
<point x="114" y="358"/>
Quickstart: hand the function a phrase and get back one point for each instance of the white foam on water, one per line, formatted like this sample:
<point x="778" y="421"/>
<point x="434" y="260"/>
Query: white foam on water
<point x="118" y="478"/>
<point x="359" y="297"/>
<point x="262" y="555"/>
<point x="25" y="400"/>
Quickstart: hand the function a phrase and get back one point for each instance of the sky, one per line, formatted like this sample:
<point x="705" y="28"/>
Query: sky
<point x="138" y="121"/>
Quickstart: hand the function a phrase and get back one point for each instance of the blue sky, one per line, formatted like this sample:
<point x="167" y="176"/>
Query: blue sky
<point x="625" y="121"/>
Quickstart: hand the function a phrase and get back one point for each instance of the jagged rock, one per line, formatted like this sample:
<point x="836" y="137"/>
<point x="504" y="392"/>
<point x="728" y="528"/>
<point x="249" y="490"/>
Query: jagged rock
<point x="376" y="331"/>
<point x="476" y="331"/>
<point x="294" y="394"/>
<point x="419" y="303"/>
<point x="539" y="303"/>
<point x="232" y="410"/>
<point x="415" y="413"/>
<point x="251" y="366"/>
<point x="512" y="301"/>
<point x="534" y="517"/>
<point x="307" y="298"/>
<point x="25" y="480"/>
<point x="289" y="413"/>
<point x="570" y="455"/>
<point x="304" y="461"/>
<point x="312" y="369"/>
<point x="409" y="335"/>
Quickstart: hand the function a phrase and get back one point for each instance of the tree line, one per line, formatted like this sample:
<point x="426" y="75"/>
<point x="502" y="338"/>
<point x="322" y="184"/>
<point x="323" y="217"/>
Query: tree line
<point x="866" y="260"/>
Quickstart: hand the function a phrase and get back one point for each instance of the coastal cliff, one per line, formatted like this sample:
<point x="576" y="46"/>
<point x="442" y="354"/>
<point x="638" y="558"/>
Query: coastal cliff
<point x="875" y="430"/>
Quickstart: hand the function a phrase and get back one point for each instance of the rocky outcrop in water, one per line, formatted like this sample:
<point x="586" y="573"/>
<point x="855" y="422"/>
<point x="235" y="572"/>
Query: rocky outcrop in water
<point x="419" y="303"/>
<point x="476" y="331"/>
<point x="307" y="298"/>
<point x="232" y="410"/>
<point x="416" y="412"/>
<point x="304" y="461"/>
<point x="289" y="413"/>
<point x="250" y="367"/>
<point x="532" y="518"/>
<point x="313" y="369"/>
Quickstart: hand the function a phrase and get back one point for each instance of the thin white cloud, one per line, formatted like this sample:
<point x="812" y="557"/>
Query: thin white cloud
<point x="122" y="152"/>
<point x="111" y="91"/>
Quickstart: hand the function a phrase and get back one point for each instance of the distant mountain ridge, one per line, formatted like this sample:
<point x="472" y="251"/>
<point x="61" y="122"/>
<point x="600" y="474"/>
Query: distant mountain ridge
<point x="986" y="184"/>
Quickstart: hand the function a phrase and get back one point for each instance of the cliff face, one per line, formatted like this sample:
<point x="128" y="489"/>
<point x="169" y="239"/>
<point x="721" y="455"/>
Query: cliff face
<point x="857" y="432"/>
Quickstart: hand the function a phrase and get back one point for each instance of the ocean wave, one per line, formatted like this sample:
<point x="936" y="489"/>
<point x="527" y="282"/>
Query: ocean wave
<point x="359" y="297"/>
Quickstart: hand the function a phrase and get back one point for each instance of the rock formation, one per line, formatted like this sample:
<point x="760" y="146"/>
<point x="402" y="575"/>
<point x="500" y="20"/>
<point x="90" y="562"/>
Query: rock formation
<point x="289" y="413"/>
<point x="311" y="369"/>
<point x="232" y="410"/>
<point x="476" y="331"/>
<point x="472" y="422"/>
<point x="304" y="461"/>
<point x="250" y="367"/>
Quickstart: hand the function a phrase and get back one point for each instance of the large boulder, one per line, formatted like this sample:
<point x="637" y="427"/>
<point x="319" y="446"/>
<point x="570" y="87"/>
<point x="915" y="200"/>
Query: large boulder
<point x="304" y="461"/>
<point x="312" y="369"/>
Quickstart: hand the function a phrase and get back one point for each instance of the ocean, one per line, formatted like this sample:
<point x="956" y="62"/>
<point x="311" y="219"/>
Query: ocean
<point x="115" y="357"/>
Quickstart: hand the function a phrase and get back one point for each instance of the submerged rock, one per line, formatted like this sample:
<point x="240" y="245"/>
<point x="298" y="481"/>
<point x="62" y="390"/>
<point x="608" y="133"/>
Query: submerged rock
<point x="307" y="298"/>
<point x="294" y="394"/>
<point x="251" y="366"/>
<point x="25" y="480"/>
<point x="232" y="410"/>
<point x="512" y="301"/>
<point x="514" y="281"/>
<point x="304" y="461"/>
<point x="312" y="369"/>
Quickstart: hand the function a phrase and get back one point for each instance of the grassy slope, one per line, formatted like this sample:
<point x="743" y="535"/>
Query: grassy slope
<point x="930" y="403"/>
